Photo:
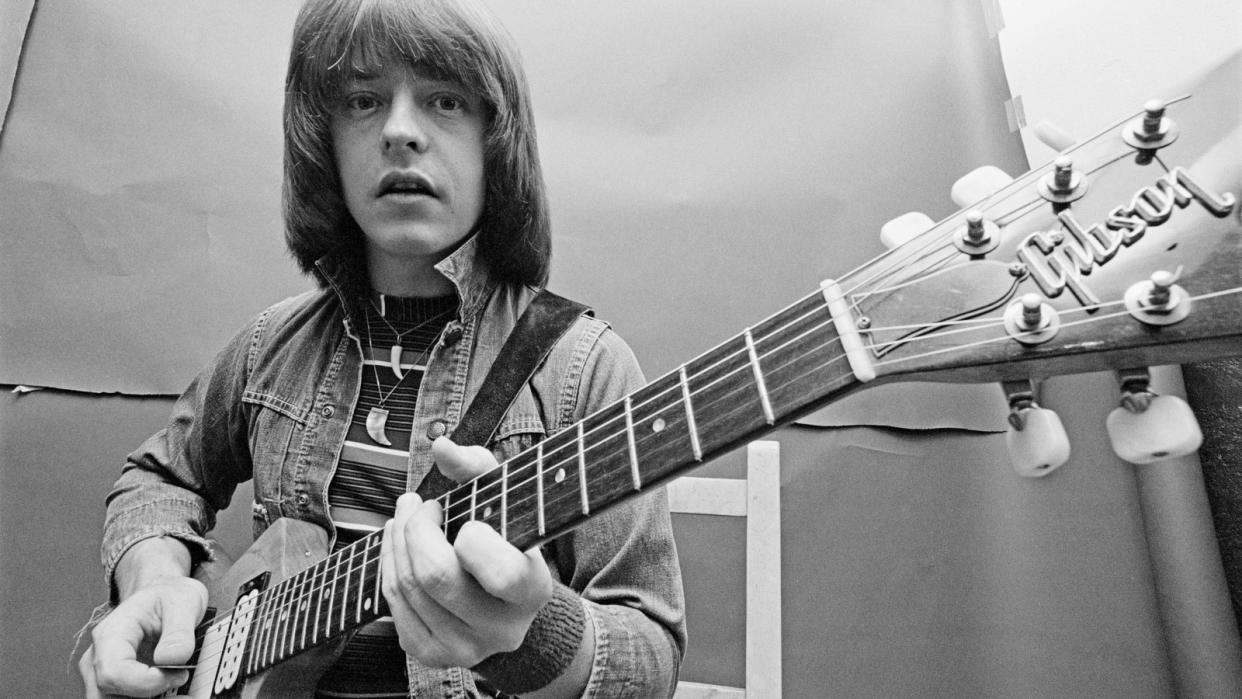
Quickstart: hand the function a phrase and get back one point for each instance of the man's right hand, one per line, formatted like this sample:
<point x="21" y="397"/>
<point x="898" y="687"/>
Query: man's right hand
<point x="152" y="626"/>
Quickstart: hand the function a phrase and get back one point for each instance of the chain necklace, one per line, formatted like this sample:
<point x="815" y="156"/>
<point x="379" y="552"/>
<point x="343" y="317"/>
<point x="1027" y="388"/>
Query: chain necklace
<point x="377" y="416"/>
<point x="394" y="353"/>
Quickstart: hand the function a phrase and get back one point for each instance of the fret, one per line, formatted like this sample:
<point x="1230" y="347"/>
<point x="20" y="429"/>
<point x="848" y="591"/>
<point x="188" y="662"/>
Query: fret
<point x="360" y="587"/>
<point x="758" y="373"/>
<point x="695" y="446"/>
<point x="629" y="442"/>
<point x="375" y="603"/>
<point x="474" y="498"/>
<point x="332" y="571"/>
<point x="313" y="600"/>
<point x="582" y="474"/>
<point x="661" y="435"/>
<point x="344" y="598"/>
<point x="323" y="579"/>
<point x="308" y="595"/>
<point x="504" y="501"/>
<point x="799" y="349"/>
<point x="448" y="510"/>
<point x="726" y="406"/>
<point x="299" y="618"/>
<point x="290" y="618"/>
<point x="606" y="449"/>
<point x="539" y="513"/>
<point x="362" y="581"/>
<point x="269" y="622"/>
<point x="278" y="628"/>
<point x="523" y="496"/>
<point x="273" y="625"/>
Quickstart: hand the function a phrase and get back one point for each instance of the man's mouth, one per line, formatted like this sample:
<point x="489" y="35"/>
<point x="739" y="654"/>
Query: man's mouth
<point x="405" y="184"/>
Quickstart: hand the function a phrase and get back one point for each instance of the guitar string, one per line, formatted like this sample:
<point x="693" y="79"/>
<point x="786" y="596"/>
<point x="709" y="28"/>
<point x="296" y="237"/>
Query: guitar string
<point x="1013" y="188"/>
<point x="941" y="232"/>
<point x="943" y="237"/>
<point x="1001" y="338"/>
<point x="282" y="589"/>
<point x="1016" y="186"/>
<point x="308" y="584"/>
<point x="743" y="369"/>
<point x="557" y="465"/>
<point x="289" y="634"/>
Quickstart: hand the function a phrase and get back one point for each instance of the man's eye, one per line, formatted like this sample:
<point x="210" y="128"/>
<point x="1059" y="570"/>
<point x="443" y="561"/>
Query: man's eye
<point x="361" y="103"/>
<point x="448" y="103"/>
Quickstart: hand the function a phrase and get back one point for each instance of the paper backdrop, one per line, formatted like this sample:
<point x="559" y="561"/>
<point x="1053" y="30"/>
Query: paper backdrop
<point x="707" y="162"/>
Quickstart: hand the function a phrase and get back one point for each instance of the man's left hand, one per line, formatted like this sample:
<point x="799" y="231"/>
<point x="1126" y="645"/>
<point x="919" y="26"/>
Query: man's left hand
<point x="455" y="604"/>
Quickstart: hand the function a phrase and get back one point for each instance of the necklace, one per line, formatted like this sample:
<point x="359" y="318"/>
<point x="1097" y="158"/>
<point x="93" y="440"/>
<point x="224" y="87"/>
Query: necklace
<point x="377" y="416"/>
<point x="395" y="352"/>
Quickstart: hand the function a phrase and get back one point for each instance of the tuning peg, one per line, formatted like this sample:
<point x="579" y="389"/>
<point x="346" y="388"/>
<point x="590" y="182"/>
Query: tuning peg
<point x="1153" y="130"/>
<point x="977" y="184"/>
<point x="1149" y="427"/>
<point x="1035" y="438"/>
<point x="1053" y="136"/>
<point x="904" y="228"/>
<point x="1064" y="184"/>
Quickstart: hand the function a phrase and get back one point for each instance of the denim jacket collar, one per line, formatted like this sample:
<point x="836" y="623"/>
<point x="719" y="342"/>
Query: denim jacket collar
<point x="344" y="271"/>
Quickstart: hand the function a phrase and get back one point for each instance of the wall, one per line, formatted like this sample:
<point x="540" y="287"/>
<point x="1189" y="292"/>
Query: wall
<point x="708" y="162"/>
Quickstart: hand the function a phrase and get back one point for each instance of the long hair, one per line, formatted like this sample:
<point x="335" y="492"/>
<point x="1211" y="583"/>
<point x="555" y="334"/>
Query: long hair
<point x="453" y="39"/>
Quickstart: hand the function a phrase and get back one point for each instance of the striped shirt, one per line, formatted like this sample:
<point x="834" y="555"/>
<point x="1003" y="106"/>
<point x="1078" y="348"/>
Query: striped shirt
<point x="371" y="473"/>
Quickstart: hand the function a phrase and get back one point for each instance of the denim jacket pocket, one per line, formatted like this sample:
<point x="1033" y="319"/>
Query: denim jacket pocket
<point x="275" y="425"/>
<point x="516" y="436"/>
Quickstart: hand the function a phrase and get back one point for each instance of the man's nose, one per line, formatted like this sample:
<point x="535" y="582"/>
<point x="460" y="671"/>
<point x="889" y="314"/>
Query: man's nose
<point x="405" y="127"/>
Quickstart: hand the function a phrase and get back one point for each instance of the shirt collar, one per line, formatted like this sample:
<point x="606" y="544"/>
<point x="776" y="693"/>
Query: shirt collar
<point x="344" y="271"/>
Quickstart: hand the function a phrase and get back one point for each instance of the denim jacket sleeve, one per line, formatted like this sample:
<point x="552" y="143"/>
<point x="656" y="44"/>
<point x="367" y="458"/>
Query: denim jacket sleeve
<point x="164" y="488"/>
<point x="624" y="561"/>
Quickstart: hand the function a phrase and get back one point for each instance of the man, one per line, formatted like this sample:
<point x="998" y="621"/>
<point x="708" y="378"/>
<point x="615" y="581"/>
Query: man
<point x="413" y="194"/>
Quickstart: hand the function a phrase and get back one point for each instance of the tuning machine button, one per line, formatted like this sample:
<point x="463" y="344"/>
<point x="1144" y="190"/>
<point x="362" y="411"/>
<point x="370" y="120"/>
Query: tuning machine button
<point x="1158" y="300"/>
<point x="1064" y="184"/>
<point x="1035" y="438"/>
<point x="1053" y="136"/>
<point x="1031" y="321"/>
<point x="978" y="184"/>
<point x="1148" y="427"/>
<point x="905" y="228"/>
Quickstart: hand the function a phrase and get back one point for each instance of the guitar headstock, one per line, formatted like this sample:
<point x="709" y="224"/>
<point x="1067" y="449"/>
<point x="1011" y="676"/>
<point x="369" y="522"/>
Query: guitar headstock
<point x="1125" y="251"/>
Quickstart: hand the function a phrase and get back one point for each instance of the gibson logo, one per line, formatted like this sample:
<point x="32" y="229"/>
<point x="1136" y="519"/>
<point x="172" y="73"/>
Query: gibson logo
<point x="1058" y="261"/>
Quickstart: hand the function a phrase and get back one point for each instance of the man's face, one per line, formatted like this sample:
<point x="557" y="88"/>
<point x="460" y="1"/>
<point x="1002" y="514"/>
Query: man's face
<point x="409" y="149"/>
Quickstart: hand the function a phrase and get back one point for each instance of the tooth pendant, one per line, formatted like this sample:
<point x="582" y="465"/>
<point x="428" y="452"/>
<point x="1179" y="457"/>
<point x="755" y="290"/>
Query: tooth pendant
<point x="377" y="418"/>
<point x="394" y="360"/>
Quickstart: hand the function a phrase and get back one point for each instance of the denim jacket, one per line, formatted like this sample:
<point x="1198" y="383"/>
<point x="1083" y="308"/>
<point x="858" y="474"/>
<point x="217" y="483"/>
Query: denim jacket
<point x="275" y="404"/>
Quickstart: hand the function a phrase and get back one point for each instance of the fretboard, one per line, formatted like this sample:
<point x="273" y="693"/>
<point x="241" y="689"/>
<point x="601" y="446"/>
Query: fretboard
<point x="763" y="378"/>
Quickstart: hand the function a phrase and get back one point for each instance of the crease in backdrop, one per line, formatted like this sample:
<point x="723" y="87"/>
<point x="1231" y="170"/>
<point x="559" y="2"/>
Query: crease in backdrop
<point x="707" y="163"/>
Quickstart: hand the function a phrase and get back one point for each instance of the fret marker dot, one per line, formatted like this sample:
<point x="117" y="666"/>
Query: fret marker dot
<point x="487" y="511"/>
<point x="366" y="603"/>
<point x="560" y="475"/>
<point x="658" y="425"/>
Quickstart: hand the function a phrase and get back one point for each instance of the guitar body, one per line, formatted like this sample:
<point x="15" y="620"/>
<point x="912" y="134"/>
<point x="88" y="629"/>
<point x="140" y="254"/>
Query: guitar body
<point x="288" y="547"/>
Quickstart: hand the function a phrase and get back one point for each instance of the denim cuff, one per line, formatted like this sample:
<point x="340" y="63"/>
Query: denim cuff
<point x="549" y="647"/>
<point x="126" y="528"/>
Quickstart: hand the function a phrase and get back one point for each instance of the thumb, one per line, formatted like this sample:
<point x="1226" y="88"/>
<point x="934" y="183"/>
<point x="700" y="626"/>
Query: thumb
<point x="179" y="614"/>
<point x="461" y="463"/>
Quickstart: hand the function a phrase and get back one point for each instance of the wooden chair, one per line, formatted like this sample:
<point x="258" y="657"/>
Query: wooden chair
<point x="758" y="500"/>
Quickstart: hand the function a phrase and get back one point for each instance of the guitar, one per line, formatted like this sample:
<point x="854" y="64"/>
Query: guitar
<point x="1125" y="251"/>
